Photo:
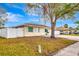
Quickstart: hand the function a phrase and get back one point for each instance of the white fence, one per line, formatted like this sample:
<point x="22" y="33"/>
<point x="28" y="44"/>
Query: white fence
<point x="57" y="32"/>
<point x="11" y="32"/>
<point x="3" y="32"/>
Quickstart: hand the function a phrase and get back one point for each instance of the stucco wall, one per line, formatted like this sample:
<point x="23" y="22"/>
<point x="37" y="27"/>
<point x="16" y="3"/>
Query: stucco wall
<point x="35" y="32"/>
<point x="55" y="32"/>
<point x="40" y="33"/>
<point x="21" y="32"/>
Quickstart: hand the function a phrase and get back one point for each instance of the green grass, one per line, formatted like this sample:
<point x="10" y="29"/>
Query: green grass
<point x="72" y="34"/>
<point x="28" y="46"/>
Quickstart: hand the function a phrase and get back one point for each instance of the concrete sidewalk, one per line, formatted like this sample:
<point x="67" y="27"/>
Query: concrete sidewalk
<point x="76" y="38"/>
<point x="72" y="50"/>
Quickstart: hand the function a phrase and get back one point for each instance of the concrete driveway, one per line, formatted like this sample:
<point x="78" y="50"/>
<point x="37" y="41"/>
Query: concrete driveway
<point x="76" y="38"/>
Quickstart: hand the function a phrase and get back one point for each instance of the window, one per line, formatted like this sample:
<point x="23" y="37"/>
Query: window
<point x="35" y="29"/>
<point x="61" y="31"/>
<point x="30" y="29"/>
<point x="38" y="29"/>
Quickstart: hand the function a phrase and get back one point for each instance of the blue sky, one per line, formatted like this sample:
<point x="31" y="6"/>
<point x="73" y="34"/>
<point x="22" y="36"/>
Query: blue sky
<point x="16" y="16"/>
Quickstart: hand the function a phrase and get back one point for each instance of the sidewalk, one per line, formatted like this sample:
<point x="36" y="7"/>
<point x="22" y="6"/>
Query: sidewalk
<point x="72" y="50"/>
<point x="76" y="38"/>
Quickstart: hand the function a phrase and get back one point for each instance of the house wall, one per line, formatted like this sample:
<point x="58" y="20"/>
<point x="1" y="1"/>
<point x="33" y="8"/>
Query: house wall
<point x="65" y="32"/>
<point x="40" y="33"/>
<point x="55" y="32"/>
<point x="35" y="32"/>
<point x="21" y="32"/>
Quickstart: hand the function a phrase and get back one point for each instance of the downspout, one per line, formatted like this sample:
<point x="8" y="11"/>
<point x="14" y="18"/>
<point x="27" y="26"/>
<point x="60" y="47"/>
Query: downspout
<point x="24" y="32"/>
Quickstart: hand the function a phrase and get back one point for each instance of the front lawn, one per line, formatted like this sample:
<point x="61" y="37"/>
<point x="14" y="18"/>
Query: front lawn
<point x="72" y="34"/>
<point x="28" y="46"/>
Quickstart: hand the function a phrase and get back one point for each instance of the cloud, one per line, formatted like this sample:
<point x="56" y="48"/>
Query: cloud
<point x="14" y="17"/>
<point x="14" y="5"/>
<point x="35" y="19"/>
<point x="32" y="14"/>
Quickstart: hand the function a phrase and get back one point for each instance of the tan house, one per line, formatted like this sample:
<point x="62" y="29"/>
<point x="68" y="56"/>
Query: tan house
<point x="26" y="30"/>
<point x="64" y="30"/>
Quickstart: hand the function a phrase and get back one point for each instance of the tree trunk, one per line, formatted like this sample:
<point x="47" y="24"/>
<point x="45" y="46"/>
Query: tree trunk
<point x="53" y="24"/>
<point x="53" y="30"/>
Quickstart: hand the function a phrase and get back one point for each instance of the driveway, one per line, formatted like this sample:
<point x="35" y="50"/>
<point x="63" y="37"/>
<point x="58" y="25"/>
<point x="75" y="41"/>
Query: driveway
<point x="76" y="38"/>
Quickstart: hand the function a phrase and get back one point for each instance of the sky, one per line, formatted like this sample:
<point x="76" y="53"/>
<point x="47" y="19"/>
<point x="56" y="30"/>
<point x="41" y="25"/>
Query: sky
<point x="16" y="16"/>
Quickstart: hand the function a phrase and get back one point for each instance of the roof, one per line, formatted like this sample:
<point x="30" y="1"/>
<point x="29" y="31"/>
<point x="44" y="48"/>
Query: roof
<point x="62" y="28"/>
<point x="2" y="27"/>
<point x="31" y="25"/>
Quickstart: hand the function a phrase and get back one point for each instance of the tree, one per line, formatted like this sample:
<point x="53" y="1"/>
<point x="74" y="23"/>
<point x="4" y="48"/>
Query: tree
<point x="3" y="16"/>
<point x="77" y="22"/>
<point x="2" y="11"/>
<point x="70" y="29"/>
<point x="53" y="11"/>
<point x="77" y="27"/>
<point x="66" y="25"/>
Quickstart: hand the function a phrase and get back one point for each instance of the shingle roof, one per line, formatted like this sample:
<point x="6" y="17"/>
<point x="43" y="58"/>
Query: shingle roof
<point x="31" y="25"/>
<point x="62" y="28"/>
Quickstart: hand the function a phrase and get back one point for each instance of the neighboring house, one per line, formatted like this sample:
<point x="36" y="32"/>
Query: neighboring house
<point x="64" y="30"/>
<point x="26" y="30"/>
<point x="72" y="31"/>
<point x="77" y="32"/>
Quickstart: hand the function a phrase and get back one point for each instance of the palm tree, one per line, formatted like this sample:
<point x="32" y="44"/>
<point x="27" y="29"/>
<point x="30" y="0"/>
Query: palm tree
<point x="2" y="11"/>
<point x="54" y="11"/>
<point x="66" y="25"/>
<point x="77" y="22"/>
